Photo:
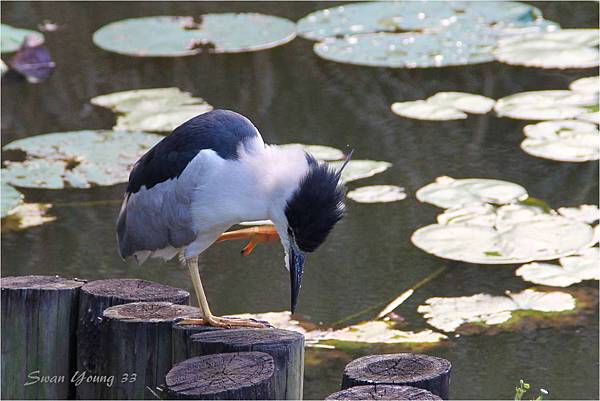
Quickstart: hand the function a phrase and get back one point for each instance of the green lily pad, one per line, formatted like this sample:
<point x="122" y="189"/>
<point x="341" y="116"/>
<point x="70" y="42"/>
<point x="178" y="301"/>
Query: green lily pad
<point x="154" y="110"/>
<point x="545" y="105"/>
<point x="27" y="215"/>
<point x="11" y="198"/>
<point x="168" y="36"/>
<point x="586" y="213"/>
<point x="370" y="17"/>
<point x="379" y="332"/>
<point x="359" y="169"/>
<point x="447" y="192"/>
<point x="587" y="85"/>
<point x="377" y="194"/>
<point x="567" y="48"/>
<point x="572" y="270"/>
<point x="448" y="314"/>
<point x="408" y="50"/>
<point x="319" y="152"/>
<point x="78" y="159"/>
<point x="11" y="38"/>
<point x="513" y="238"/>
<point x="444" y="106"/>
<point x="563" y="140"/>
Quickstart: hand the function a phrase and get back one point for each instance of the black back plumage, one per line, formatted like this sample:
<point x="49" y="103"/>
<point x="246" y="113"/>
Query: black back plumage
<point x="316" y="206"/>
<point x="219" y="130"/>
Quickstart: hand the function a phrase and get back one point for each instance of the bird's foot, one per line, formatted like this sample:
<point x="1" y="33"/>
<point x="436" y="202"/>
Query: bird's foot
<point x="226" y="322"/>
<point x="256" y="235"/>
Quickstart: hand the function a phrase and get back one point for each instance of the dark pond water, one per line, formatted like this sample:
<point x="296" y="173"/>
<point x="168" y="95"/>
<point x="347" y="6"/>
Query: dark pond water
<point x="292" y="95"/>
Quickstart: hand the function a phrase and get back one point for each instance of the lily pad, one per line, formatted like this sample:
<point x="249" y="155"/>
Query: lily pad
<point x="11" y="198"/>
<point x="567" y="48"/>
<point x="154" y="110"/>
<point x="448" y="314"/>
<point x="11" y="38"/>
<point x="573" y="269"/>
<point x="379" y="332"/>
<point x="449" y="47"/>
<point x="587" y="85"/>
<point x="79" y="159"/>
<point x="593" y="117"/>
<point x="563" y="140"/>
<point x="520" y="240"/>
<point x="168" y="36"/>
<point x="444" y="106"/>
<point x="586" y="213"/>
<point x="545" y="105"/>
<point x="27" y="215"/>
<point x="447" y="192"/>
<point x="319" y="152"/>
<point x="359" y="169"/>
<point x="377" y="193"/>
<point x="370" y="17"/>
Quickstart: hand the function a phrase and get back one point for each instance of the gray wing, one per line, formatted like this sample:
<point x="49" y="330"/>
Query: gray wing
<point x="155" y="214"/>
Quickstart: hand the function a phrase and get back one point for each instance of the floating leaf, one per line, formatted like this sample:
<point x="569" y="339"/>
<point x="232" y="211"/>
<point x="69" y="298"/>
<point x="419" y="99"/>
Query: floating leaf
<point x="444" y="106"/>
<point x="448" y="314"/>
<point x="563" y="140"/>
<point x="573" y="269"/>
<point x="586" y="213"/>
<point x="319" y="152"/>
<point x="79" y="159"/>
<point x="379" y="332"/>
<point x="11" y="198"/>
<point x="155" y="110"/>
<point x="359" y="169"/>
<point x="27" y="215"/>
<point x="408" y="50"/>
<point x="541" y="237"/>
<point x="586" y="85"/>
<point x="545" y="105"/>
<point x="11" y="38"/>
<point x="567" y="48"/>
<point x="168" y="36"/>
<point x="377" y="193"/>
<point x="593" y="117"/>
<point x="370" y="17"/>
<point x="446" y="192"/>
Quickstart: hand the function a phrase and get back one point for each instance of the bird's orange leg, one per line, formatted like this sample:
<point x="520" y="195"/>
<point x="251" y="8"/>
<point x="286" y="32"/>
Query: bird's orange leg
<point x="256" y="235"/>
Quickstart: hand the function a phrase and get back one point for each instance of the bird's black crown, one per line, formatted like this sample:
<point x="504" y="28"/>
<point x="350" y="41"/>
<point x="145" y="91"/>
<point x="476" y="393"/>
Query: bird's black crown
<point x="316" y="206"/>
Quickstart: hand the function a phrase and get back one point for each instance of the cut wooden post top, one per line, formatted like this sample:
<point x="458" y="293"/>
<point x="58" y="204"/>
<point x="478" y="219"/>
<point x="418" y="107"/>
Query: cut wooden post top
<point x="132" y="290"/>
<point x="397" y="368"/>
<point x="383" y="392"/>
<point x="248" y="337"/>
<point x="39" y="282"/>
<point x="151" y="312"/>
<point x="238" y="375"/>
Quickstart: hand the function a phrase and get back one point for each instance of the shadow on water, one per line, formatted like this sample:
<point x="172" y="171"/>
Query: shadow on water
<point x="292" y="95"/>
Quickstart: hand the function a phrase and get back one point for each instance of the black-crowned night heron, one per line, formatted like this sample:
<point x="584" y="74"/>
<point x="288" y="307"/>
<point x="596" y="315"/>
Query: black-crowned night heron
<point x="215" y="171"/>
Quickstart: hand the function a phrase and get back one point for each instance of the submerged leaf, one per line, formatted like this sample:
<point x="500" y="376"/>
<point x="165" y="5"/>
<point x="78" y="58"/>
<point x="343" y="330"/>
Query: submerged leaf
<point x="377" y="193"/>
<point x="79" y="159"/>
<point x="359" y="169"/>
<point x="11" y="38"/>
<point x="155" y="110"/>
<point x="447" y="192"/>
<point x="574" y="269"/>
<point x="448" y="314"/>
<point x="545" y="105"/>
<point x="563" y="140"/>
<point x="27" y="215"/>
<point x="567" y="48"/>
<point x="168" y="36"/>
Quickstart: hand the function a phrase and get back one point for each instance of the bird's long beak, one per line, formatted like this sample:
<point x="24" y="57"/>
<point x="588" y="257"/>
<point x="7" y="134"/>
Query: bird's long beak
<point x="296" y="270"/>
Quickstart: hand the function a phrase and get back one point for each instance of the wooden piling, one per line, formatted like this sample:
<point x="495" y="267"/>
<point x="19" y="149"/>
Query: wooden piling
<point x="182" y="342"/>
<point x="423" y="371"/>
<point x="232" y="376"/>
<point x="39" y="318"/>
<point x="135" y="347"/>
<point x="95" y="297"/>
<point x="286" y="347"/>
<point x="383" y="392"/>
